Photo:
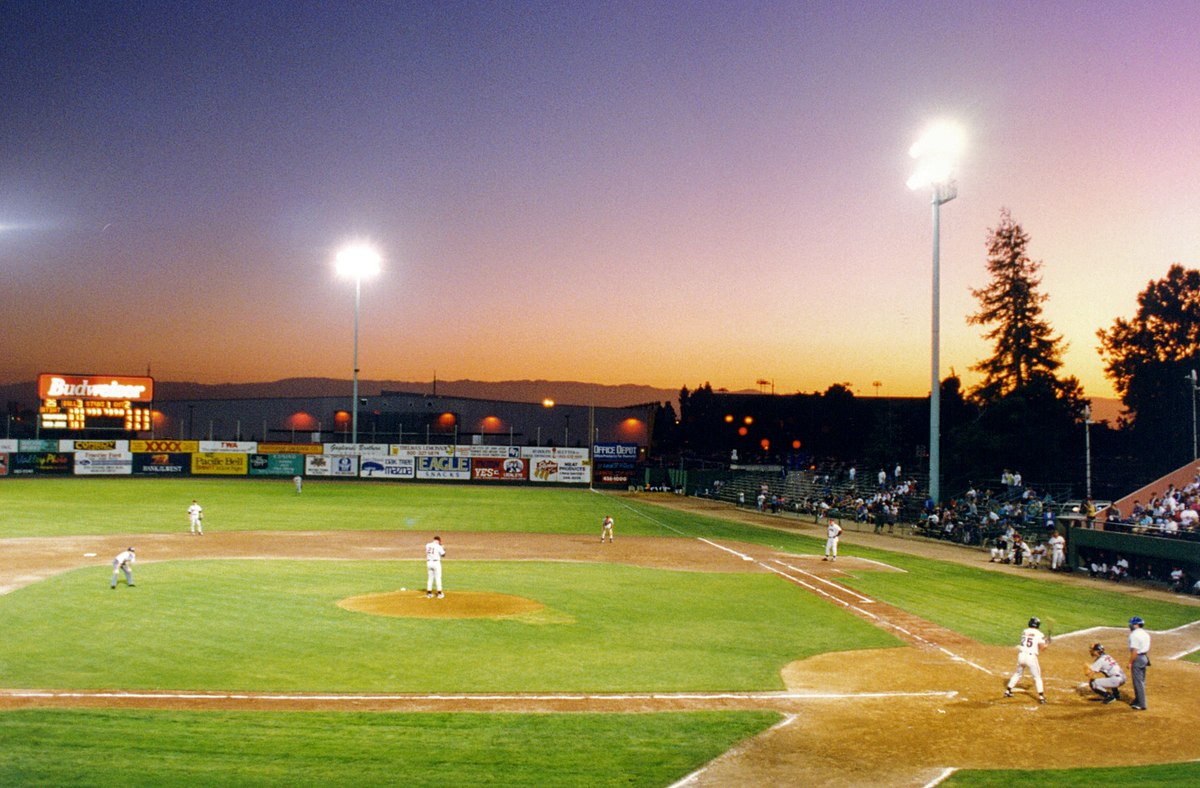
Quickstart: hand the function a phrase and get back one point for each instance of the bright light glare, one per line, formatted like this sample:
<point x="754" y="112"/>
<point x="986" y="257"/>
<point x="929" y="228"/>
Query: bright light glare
<point x="936" y="152"/>
<point x="358" y="262"/>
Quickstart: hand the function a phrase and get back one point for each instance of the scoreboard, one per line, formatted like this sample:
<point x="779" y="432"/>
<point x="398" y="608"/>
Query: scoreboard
<point x="95" y="402"/>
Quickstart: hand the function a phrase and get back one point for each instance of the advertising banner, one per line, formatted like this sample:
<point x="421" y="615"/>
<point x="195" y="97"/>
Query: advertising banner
<point x="357" y="449"/>
<point x="290" y="448"/>
<point x="389" y="468"/>
<point x="159" y="446"/>
<point x="95" y="387"/>
<point x="103" y="463"/>
<point x="492" y="469"/>
<point x="231" y="447"/>
<point x="561" y="470"/>
<point x="497" y="452"/>
<point x="9" y="445"/>
<point x="37" y="446"/>
<point x="613" y="478"/>
<point x="25" y="463"/>
<point x="616" y="453"/>
<point x="3" y="463"/>
<point x="276" y="464"/>
<point x="343" y="466"/>
<point x="421" y="450"/>
<point x="219" y="464"/>
<point x="162" y="463"/>
<point x="553" y="453"/>
<point x="317" y="465"/>
<point x="443" y="468"/>
<point x="84" y="445"/>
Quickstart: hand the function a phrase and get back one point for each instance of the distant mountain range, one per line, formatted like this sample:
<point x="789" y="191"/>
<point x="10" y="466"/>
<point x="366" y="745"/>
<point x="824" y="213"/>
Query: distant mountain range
<point x="565" y="392"/>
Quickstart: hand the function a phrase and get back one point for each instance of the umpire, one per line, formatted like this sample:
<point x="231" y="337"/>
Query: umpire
<point x="1139" y="660"/>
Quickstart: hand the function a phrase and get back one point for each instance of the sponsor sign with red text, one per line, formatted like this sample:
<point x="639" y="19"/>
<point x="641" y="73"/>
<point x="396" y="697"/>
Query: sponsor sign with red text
<point x="491" y="469"/>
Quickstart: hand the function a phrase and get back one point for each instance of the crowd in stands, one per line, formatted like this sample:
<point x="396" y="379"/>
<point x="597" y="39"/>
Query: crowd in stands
<point x="1174" y="514"/>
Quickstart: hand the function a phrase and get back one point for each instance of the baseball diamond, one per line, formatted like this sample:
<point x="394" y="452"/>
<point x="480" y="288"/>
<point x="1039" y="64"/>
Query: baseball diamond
<point x="908" y="697"/>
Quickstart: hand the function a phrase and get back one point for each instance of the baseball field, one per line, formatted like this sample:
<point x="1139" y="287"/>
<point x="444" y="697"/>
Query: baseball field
<point x="293" y="643"/>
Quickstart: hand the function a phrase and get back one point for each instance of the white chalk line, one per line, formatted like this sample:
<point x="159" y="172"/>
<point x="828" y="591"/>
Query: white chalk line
<point x="691" y="778"/>
<point x="470" y="698"/>
<point x="941" y="778"/>
<point x="838" y="586"/>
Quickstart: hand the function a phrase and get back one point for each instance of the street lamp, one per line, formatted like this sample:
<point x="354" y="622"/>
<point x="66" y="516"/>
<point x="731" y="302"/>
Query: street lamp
<point x="1195" y="386"/>
<point x="936" y="152"/>
<point x="357" y="262"/>
<point x="1087" y="445"/>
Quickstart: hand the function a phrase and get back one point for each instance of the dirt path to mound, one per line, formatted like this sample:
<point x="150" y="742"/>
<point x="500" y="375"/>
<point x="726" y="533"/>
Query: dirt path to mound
<point x="897" y="716"/>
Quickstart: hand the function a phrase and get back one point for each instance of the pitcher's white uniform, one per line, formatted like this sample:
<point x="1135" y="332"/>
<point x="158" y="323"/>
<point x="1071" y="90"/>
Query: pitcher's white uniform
<point x="195" y="516"/>
<point x="124" y="563"/>
<point x="1030" y="646"/>
<point x="831" y="541"/>
<point x="433" y="566"/>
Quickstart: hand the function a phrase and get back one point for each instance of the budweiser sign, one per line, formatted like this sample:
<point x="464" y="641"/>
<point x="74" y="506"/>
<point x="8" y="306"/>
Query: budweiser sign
<point x="101" y="387"/>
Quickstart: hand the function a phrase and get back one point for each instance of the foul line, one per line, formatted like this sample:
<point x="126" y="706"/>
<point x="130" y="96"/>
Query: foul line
<point x="838" y="586"/>
<point x="667" y="696"/>
<point x="941" y="778"/>
<point x="691" y="778"/>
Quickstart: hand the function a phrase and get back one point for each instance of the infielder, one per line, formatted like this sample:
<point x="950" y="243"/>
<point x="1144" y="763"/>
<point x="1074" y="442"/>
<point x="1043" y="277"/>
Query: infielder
<point x="1033" y="642"/>
<point x="195" y="517"/>
<point x="1104" y="674"/>
<point x="831" y="540"/>
<point x="434" y="552"/>
<point x="606" y="529"/>
<point x="124" y="563"/>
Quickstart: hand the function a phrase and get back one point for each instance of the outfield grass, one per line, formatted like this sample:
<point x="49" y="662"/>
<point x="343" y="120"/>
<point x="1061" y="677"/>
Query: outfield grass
<point x="275" y="625"/>
<point x="159" y="748"/>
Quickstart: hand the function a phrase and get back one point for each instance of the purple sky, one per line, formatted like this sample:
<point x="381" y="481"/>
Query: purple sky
<point x="642" y="192"/>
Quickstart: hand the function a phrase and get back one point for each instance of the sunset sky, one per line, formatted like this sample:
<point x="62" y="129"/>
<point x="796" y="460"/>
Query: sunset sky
<point x="663" y="193"/>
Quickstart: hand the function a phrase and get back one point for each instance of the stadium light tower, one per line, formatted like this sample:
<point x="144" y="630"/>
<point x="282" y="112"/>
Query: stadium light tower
<point x="937" y="151"/>
<point x="357" y="262"/>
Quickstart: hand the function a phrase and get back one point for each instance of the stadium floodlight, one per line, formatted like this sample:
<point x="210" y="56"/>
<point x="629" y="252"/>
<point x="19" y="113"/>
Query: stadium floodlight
<point x="937" y="152"/>
<point x="357" y="262"/>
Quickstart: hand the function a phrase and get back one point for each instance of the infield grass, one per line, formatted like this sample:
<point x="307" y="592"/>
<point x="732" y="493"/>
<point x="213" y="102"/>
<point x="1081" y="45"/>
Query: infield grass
<point x="275" y="625"/>
<point x="163" y="748"/>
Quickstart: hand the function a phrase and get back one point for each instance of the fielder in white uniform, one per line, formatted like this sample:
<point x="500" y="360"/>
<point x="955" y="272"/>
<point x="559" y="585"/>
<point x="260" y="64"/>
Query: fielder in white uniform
<point x="434" y="552"/>
<point x="831" y="540"/>
<point x="1033" y="642"/>
<point x="298" y="481"/>
<point x="606" y="529"/>
<point x="1058" y="558"/>
<point x="195" y="517"/>
<point x="124" y="563"/>
<point x="1105" y="674"/>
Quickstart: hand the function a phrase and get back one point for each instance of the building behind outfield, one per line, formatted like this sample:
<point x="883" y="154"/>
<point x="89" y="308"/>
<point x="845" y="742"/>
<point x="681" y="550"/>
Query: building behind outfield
<point x="403" y="417"/>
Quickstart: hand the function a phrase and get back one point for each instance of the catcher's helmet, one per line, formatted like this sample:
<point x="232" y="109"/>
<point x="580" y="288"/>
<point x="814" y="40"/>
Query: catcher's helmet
<point x="1136" y="621"/>
<point x="1035" y="622"/>
<point x="1097" y="648"/>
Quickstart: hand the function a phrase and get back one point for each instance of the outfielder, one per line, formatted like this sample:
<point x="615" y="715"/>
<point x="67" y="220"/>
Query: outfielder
<point x="124" y="563"/>
<point x="195" y="517"/>
<point x="1032" y="643"/>
<point x="831" y="540"/>
<point x="606" y="529"/>
<point x="1104" y="674"/>
<point x="433" y="567"/>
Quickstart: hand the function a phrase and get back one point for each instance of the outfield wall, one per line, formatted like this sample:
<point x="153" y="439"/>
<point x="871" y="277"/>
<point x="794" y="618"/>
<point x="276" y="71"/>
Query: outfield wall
<point x="382" y="461"/>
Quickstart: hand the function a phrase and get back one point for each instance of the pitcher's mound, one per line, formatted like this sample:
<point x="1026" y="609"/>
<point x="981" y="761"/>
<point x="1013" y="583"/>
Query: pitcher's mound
<point x="457" y="604"/>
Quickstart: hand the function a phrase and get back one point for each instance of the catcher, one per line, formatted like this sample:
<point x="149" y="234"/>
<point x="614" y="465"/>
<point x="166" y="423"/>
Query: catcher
<point x="1104" y="674"/>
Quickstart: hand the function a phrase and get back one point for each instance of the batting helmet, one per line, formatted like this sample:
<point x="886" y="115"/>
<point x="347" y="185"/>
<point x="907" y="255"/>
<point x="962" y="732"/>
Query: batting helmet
<point x="1097" y="648"/>
<point x="1136" y="621"/>
<point x="1035" y="622"/>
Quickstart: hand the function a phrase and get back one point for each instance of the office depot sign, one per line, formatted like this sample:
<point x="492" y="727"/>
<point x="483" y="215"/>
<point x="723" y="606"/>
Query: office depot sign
<point x="95" y="387"/>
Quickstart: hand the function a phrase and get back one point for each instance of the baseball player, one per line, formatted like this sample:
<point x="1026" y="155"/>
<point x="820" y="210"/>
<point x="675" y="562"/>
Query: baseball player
<point x="606" y="529"/>
<point x="1032" y="643"/>
<point x="196" y="517"/>
<point x="434" y="552"/>
<point x="124" y="563"/>
<point x="831" y="540"/>
<point x="1058" y="545"/>
<point x="298" y="482"/>
<point x="1104" y="674"/>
